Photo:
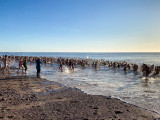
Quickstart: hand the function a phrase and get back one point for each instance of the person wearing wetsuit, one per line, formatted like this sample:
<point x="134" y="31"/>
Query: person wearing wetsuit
<point x="25" y="64"/>
<point x="38" y="67"/>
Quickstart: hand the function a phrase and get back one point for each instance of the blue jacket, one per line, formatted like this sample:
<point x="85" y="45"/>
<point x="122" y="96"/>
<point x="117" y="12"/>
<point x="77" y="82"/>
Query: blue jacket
<point x="38" y="64"/>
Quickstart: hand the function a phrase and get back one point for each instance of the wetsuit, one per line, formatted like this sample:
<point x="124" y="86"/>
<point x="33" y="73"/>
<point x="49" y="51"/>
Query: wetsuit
<point x="25" y="64"/>
<point x="38" y="66"/>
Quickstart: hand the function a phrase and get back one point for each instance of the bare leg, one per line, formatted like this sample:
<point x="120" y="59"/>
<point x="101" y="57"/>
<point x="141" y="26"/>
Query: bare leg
<point x="18" y="69"/>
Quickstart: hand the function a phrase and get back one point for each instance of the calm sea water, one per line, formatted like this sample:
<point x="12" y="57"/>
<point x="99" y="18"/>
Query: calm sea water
<point x="149" y="58"/>
<point x="127" y="86"/>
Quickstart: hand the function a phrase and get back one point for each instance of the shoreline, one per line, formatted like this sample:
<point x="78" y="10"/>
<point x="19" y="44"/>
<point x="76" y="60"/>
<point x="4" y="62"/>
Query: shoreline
<point x="27" y="97"/>
<point x="62" y="85"/>
<point x="122" y="101"/>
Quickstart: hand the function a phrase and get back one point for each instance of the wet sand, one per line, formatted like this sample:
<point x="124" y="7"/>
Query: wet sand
<point x="30" y="98"/>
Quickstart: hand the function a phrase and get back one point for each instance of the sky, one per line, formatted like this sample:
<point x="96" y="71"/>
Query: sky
<point x="79" y="25"/>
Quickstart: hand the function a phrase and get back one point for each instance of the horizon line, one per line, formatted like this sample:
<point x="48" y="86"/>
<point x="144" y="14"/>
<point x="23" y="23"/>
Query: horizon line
<point x="79" y="52"/>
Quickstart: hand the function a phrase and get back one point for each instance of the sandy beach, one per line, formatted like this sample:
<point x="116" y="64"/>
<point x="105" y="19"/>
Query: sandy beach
<point x="30" y="98"/>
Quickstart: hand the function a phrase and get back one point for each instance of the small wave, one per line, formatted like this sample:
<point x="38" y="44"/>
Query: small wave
<point x="66" y="70"/>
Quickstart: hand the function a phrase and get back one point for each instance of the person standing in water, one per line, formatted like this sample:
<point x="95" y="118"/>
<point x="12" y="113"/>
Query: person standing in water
<point x="25" y="64"/>
<point x="61" y="66"/>
<point x="96" y="65"/>
<point x="21" y="65"/>
<point x="5" y="65"/>
<point x="38" y="67"/>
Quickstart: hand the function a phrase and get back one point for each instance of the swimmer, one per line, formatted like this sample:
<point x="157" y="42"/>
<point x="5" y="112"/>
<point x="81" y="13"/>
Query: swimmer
<point x="25" y="64"/>
<point x="95" y="65"/>
<point x="38" y="66"/>
<point x="61" y="66"/>
<point x="21" y="65"/>
<point x="125" y="67"/>
<point x="5" y="65"/>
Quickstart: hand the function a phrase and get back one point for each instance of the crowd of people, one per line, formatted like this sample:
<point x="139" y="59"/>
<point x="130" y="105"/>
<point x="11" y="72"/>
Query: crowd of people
<point x="147" y="70"/>
<point x="22" y="63"/>
<point x="5" y="60"/>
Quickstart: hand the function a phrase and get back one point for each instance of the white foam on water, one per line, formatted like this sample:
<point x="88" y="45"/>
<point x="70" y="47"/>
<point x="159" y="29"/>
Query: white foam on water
<point x="87" y="57"/>
<point x="66" y="69"/>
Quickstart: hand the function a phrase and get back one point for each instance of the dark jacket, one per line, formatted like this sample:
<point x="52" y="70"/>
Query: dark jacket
<point x="38" y="64"/>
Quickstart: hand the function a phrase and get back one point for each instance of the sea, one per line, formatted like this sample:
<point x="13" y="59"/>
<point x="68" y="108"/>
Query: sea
<point x="128" y="86"/>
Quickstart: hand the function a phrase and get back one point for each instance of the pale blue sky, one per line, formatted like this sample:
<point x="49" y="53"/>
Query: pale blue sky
<point x="80" y="25"/>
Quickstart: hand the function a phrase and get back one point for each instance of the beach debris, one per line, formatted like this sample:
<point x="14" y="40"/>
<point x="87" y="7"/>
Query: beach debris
<point x="10" y="116"/>
<point x="118" y="112"/>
